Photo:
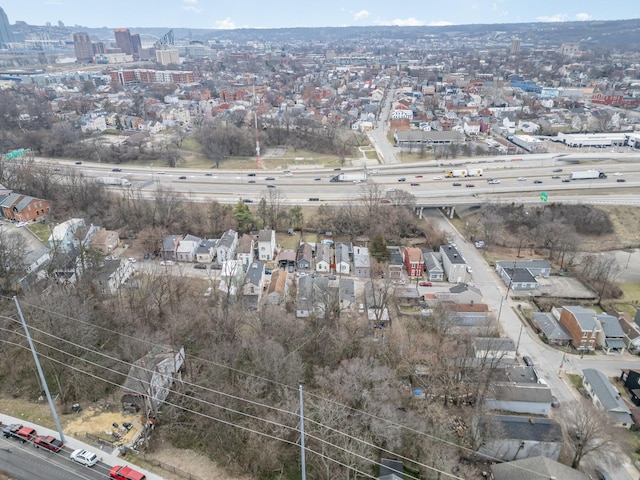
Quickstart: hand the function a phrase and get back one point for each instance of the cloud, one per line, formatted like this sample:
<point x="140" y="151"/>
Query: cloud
<point x="190" y="8"/>
<point x="407" y="22"/>
<point x="558" y="17"/>
<point x="440" y="23"/>
<point x="361" y="15"/>
<point x="225" y="24"/>
<point x="581" y="17"/>
<point x="190" y="1"/>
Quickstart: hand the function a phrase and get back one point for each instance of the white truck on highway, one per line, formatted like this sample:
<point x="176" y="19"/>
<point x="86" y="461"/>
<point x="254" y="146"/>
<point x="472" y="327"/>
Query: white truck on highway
<point x="121" y="182"/>
<point x="356" y="177"/>
<point x="588" y="175"/>
<point x="464" y="172"/>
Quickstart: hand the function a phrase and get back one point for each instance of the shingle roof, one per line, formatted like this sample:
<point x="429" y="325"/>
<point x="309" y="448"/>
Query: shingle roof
<point x="535" y="468"/>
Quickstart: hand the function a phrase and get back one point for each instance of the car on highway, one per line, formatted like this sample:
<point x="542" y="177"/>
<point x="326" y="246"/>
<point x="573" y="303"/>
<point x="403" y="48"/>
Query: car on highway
<point x="161" y="172"/>
<point x="374" y="171"/>
<point x="166" y="263"/>
<point x="618" y="174"/>
<point x="288" y="174"/>
<point x="314" y="199"/>
<point x="456" y="184"/>
<point x="415" y="184"/>
<point x="402" y="179"/>
<point x="84" y="457"/>
<point x="556" y="177"/>
<point x="48" y="442"/>
<point x="426" y="284"/>
<point x="337" y="169"/>
<point x="522" y="179"/>
<point x="251" y="174"/>
<point x="566" y="180"/>
<point x="116" y="169"/>
<point x="126" y="473"/>
<point x="182" y="177"/>
<point x="620" y="180"/>
<point x="557" y="170"/>
<point x="208" y="174"/>
<point x="438" y="177"/>
<point x="418" y="176"/>
<point x="270" y="178"/>
<point x="317" y="179"/>
<point x="251" y="181"/>
<point x="247" y="200"/>
<point x="537" y="181"/>
<point x="469" y="185"/>
<point x="271" y="185"/>
<point x="494" y="181"/>
<point x="78" y="163"/>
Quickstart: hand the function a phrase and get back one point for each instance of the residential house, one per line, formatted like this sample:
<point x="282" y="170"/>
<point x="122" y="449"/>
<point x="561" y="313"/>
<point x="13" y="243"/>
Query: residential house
<point x="551" y="328"/>
<point x="266" y="245"/>
<point x="304" y="257"/>
<point x="509" y="437"/>
<point x="323" y="258"/>
<point x="343" y="264"/>
<point x="277" y="291"/>
<point x="287" y="259"/>
<point x="304" y="300"/>
<point x="517" y="389"/>
<point x="395" y="265"/>
<point x="494" y="348"/>
<point x="253" y="285"/>
<point x="326" y="297"/>
<point x="413" y="262"/>
<point x="245" y="252"/>
<point x="112" y="275"/>
<point x="536" y="267"/>
<point x="631" y="379"/>
<point x="454" y="265"/>
<point x="472" y="323"/>
<point x="62" y="236"/>
<point x="169" y="246"/>
<point x="535" y="468"/>
<point x="461" y="293"/>
<point x="605" y="396"/>
<point x="23" y="208"/>
<point x="613" y="339"/>
<point x="227" y="246"/>
<point x="582" y="325"/>
<point x="231" y="276"/>
<point x="433" y="266"/>
<point x="105" y="241"/>
<point x="205" y="251"/>
<point x="151" y="377"/>
<point x="361" y="262"/>
<point x="346" y="293"/>
<point x="187" y="247"/>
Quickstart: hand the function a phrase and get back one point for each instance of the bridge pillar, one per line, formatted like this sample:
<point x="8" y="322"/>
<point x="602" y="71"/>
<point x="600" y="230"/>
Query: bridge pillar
<point x="420" y="213"/>
<point x="452" y="212"/>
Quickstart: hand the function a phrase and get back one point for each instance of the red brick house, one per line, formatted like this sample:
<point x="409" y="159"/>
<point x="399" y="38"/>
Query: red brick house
<point x="582" y="325"/>
<point x="23" y="208"/>
<point x="413" y="261"/>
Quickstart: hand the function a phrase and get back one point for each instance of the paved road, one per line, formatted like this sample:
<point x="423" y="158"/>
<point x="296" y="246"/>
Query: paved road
<point x="378" y="136"/>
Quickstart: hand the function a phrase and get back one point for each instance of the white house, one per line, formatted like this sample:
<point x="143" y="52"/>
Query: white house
<point x="227" y="245"/>
<point x="323" y="258"/>
<point x="187" y="248"/>
<point x="266" y="245"/>
<point x="343" y="265"/>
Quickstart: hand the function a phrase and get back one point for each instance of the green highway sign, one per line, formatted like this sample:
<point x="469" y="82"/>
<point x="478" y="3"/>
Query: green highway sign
<point x="15" y="153"/>
<point x="543" y="196"/>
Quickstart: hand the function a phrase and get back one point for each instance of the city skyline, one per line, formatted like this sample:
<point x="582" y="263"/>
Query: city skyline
<point x="207" y="14"/>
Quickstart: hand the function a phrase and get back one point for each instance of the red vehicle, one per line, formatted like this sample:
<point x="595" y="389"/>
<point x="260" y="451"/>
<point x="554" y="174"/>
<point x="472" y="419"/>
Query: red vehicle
<point x="26" y="434"/>
<point x="126" y="473"/>
<point x="50" y="443"/>
<point x="426" y="284"/>
<point x="469" y="185"/>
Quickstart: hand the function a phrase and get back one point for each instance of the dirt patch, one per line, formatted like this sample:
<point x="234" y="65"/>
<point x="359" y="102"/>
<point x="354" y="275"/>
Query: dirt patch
<point x="105" y="425"/>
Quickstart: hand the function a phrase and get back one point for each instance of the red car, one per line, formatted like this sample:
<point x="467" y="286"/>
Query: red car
<point x="50" y="443"/>
<point x="426" y="284"/>
<point x="469" y="185"/>
<point x="126" y="473"/>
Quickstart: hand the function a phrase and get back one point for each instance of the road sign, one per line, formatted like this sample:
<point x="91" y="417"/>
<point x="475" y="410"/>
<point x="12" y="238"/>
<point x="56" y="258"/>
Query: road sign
<point x="543" y="196"/>
<point x="15" y="154"/>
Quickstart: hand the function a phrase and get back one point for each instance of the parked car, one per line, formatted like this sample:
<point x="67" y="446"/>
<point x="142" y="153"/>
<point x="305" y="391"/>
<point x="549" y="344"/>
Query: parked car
<point x="426" y="284"/>
<point x="84" y="457"/>
<point x="480" y="244"/>
<point x="22" y="224"/>
<point x="132" y="260"/>
<point x="126" y="473"/>
<point x="602" y="474"/>
<point x="207" y="292"/>
<point x="200" y="266"/>
<point x="166" y="263"/>
<point x="469" y="269"/>
<point x="48" y="442"/>
<point x="528" y="361"/>
<point x="555" y="403"/>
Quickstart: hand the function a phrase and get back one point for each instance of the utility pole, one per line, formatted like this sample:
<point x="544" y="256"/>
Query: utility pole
<point x="302" y="453"/>
<point x="42" y="379"/>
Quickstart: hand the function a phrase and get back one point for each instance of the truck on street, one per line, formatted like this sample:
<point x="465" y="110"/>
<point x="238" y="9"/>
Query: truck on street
<point x="350" y="177"/>
<point x="121" y="182"/>
<point x="464" y="172"/>
<point x="25" y="434"/>
<point x="588" y="175"/>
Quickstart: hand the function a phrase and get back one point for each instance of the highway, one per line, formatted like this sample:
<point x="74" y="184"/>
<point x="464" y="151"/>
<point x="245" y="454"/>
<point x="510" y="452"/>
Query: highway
<point x="420" y="179"/>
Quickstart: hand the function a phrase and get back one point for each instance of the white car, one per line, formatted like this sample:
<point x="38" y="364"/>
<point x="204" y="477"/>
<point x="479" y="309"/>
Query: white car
<point x="374" y="171"/>
<point x="494" y="181"/>
<point x="438" y="177"/>
<point x="207" y="292"/>
<point x="522" y="179"/>
<point x="469" y="269"/>
<point x="22" y="224"/>
<point x="166" y="263"/>
<point x="132" y="260"/>
<point x="618" y="174"/>
<point x="85" y="457"/>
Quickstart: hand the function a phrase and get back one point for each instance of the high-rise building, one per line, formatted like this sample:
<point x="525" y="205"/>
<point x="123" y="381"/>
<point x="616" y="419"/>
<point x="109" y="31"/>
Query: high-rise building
<point x="136" y="44"/>
<point x="6" y="34"/>
<point x="123" y="40"/>
<point x="83" y="47"/>
<point x="168" y="56"/>
<point x="515" y="46"/>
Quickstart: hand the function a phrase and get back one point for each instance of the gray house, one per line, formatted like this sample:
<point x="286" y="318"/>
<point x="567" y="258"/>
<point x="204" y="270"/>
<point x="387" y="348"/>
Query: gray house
<point x="304" y="257"/>
<point x="206" y="251"/>
<point x="494" y="348"/>
<point x="516" y="389"/>
<point x="518" y="278"/>
<point x="304" y="300"/>
<point x="613" y="340"/>
<point x="227" y="245"/>
<point x="433" y="269"/>
<point x="455" y="267"/>
<point x="508" y="437"/>
<point x="604" y="395"/>
<point x="551" y="328"/>
<point x="361" y="262"/>
<point x="535" y="468"/>
<point x="535" y="267"/>
<point x="253" y="286"/>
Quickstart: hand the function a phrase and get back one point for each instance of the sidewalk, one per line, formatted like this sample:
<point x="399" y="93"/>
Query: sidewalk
<point x="109" y="458"/>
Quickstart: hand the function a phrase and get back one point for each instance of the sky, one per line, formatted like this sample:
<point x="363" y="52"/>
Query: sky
<point x="218" y="14"/>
